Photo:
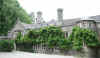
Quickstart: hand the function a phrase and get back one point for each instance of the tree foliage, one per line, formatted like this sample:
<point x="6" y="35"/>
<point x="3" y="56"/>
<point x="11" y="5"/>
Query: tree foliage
<point x="6" y="45"/>
<point x="10" y="11"/>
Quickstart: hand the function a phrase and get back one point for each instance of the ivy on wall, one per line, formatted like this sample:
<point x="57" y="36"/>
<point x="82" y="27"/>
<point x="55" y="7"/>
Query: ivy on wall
<point x="51" y="36"/>
<point x="82" y="36"/>
<point x="54" y="37"/>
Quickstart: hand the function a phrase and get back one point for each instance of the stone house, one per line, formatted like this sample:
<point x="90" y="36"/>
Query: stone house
<point x="92" y="22"/>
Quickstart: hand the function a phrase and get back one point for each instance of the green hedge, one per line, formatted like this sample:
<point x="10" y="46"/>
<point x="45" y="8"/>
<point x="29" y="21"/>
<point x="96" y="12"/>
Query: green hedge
<point x="24" y="46"/>
<point x="24" y="43"/>
<point x="6" y="45"/>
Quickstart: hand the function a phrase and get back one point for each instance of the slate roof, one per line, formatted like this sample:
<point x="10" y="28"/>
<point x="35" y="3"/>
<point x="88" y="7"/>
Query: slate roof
<point x="52" y="22"/>
<point x="66" y="22"/>
<point x="34" y="26"/>
<point x="96" y="18"/>
<point x="70" y="22"/>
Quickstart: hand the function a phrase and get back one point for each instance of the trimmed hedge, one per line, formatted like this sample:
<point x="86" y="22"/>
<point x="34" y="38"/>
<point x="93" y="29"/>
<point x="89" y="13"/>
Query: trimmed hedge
<point x="24" y="43"/>
<point x="6" y="45"/>
<point x="24" y="46"/>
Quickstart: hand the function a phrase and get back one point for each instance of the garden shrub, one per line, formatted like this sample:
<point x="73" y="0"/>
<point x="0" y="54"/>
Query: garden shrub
<point x="6" y="45"/>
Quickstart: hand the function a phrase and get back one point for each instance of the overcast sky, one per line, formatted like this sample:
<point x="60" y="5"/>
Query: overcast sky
<point x="72" y="8"/>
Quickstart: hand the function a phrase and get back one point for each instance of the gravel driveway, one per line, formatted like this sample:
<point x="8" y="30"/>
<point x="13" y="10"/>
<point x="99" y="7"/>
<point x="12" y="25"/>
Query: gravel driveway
<point x="18" y="54"/>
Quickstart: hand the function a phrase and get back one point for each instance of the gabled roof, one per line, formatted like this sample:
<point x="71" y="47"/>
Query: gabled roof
<point x="18" y="26"/>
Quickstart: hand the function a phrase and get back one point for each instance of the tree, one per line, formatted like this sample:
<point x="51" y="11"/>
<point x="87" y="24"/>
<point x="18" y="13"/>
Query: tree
<point x="10" y="11"/>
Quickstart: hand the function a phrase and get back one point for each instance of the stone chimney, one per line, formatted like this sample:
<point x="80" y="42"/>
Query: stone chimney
<point x="32" y="15"/>
<point x="39" y="14"/>
<point x="60" y="15"/>
<point x="39" y="17"/>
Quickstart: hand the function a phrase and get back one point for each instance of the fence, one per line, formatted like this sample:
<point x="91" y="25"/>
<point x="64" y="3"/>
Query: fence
<point x="39" y="48"/>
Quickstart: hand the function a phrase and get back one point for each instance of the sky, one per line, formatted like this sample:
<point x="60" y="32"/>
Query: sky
<point x="72" y="8"/>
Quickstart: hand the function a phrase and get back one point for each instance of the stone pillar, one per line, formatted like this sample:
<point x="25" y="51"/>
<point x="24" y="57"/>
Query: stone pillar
<point x="14" y="46"/>
<point x="60" y="15"/>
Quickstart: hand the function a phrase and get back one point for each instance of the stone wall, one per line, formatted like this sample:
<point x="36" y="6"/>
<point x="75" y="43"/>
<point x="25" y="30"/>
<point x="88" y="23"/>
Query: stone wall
<point x="84" y="53"/>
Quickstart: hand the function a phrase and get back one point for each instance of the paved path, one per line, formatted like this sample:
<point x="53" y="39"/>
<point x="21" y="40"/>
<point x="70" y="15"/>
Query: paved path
<point x="17" y="54"/>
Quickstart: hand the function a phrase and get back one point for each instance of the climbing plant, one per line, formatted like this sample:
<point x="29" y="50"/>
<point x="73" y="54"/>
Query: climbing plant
<point x="82" y="36"/>
<point x="54" y="37"/>
<point x="51" y="36"/>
